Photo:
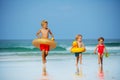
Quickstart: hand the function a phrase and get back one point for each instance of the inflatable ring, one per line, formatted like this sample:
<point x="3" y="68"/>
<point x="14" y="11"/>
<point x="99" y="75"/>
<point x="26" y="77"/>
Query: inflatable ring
<point x="37" y="42"/>
<point x="77" y="50"/>
<point x="75" y="44"/>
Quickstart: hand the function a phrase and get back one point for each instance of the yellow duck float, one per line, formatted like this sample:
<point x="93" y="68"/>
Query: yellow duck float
<point x="76" y="49"/>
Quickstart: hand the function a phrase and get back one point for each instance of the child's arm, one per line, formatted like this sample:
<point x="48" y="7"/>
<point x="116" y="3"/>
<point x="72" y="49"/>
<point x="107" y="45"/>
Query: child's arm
<point x="37" y="34"/>
<point x="71" y="47"/>
<point x="95" y="49"/>
<point x="51" y="34"/>
<point x="83" y="45"/>
<point x="106" y="53"/>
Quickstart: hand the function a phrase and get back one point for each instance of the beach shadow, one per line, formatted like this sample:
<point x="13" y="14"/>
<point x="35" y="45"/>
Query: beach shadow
<point x="44" y="75"/>
<point x="101" y="72"/>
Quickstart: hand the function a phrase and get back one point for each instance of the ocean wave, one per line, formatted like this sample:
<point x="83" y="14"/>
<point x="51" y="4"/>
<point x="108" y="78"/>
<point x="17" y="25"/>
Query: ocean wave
<point x="108" y="48"/>
<point x="17" y="49"/>
<point x="27" y="48"/>
<point x="59" y="53"/>
<point x="31" y="47"/>
<point x="89" y="48"/>
<point x="112" y="44"/>
<point x="58" y="48"/>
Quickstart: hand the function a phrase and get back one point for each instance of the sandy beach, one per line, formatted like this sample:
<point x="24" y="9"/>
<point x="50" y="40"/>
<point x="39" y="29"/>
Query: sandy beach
<point x="58" y="68"/>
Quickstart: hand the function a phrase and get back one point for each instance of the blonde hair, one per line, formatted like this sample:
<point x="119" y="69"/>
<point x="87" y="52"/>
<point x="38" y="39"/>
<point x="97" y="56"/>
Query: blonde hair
<point x="43" y="22"/>
<point x="77" y="36"/>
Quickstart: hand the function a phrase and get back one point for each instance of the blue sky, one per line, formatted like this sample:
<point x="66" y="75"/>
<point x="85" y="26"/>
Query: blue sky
<point x="20" y="19"/>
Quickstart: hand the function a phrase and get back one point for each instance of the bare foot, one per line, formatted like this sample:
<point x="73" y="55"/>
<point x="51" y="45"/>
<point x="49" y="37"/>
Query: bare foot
<point x="80" y="62"/>
<point x="98" y="62"/>
<point x="76" y="65"/>
<point x="45" y="60"/>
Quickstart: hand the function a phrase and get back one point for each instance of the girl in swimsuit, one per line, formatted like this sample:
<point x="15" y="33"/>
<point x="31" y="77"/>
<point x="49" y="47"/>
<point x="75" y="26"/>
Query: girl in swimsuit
<point x="100" y="48"/>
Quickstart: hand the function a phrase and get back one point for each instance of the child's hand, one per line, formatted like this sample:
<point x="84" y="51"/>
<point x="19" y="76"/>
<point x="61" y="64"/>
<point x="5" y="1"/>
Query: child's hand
<point x="38" y="37"/>
<point x="94" y="52"/>
<point x="52" y="39"/>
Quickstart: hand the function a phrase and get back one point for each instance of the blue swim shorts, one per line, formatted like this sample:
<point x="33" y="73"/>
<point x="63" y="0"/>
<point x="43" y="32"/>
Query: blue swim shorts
<point x="77" y="54"/>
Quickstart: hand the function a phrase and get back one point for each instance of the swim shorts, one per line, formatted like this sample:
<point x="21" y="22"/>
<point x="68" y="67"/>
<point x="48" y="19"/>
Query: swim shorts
<point x="44" y="47"/>
<point x="77" y="54"/>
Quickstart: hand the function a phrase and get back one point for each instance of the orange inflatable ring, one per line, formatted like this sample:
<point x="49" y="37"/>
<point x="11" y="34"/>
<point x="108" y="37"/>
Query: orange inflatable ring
<point x="37" y="42"/>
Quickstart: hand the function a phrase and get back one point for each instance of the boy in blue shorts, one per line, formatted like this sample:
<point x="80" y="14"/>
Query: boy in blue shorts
<point x="80" y="45"/>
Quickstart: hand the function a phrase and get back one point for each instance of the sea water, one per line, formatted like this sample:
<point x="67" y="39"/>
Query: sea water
<point x="20" y="57"/>
<point x="25" y="47"/>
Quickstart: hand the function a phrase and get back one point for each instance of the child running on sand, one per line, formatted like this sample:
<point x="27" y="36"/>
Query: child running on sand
<point x="100" y="48"/>
<point x="44" y="34"/>
<point x="80" y="45"/>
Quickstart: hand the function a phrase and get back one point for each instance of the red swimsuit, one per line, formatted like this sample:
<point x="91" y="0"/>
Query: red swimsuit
<point x="101" y="49"/>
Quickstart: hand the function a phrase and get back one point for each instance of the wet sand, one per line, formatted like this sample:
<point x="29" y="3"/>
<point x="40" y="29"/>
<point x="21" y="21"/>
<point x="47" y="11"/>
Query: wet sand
<point x="58" y="68"/>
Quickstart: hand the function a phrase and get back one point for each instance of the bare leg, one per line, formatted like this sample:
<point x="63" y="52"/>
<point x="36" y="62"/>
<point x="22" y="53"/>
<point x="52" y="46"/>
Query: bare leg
<point x="77" y="70"/>
<point x="101" y="59"/>
<point x="43" y="57"/>
<point x="77" y="59"/>
<point x="80" y="57"/>
<point x="44" y="68"/>
<point x="45" y="75"/>
<point x="98" y="58"/>
<point x="46" y="53"/>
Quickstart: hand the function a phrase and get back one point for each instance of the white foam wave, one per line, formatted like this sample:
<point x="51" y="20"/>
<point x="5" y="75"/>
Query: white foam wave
<point x="63" y="46"/>
<point x="90" y="48"/>
<point x="113" y="48"/>
<point x="68" y="48"/>
<point x="108" y="48"/>
<point x="29" y="47"/>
